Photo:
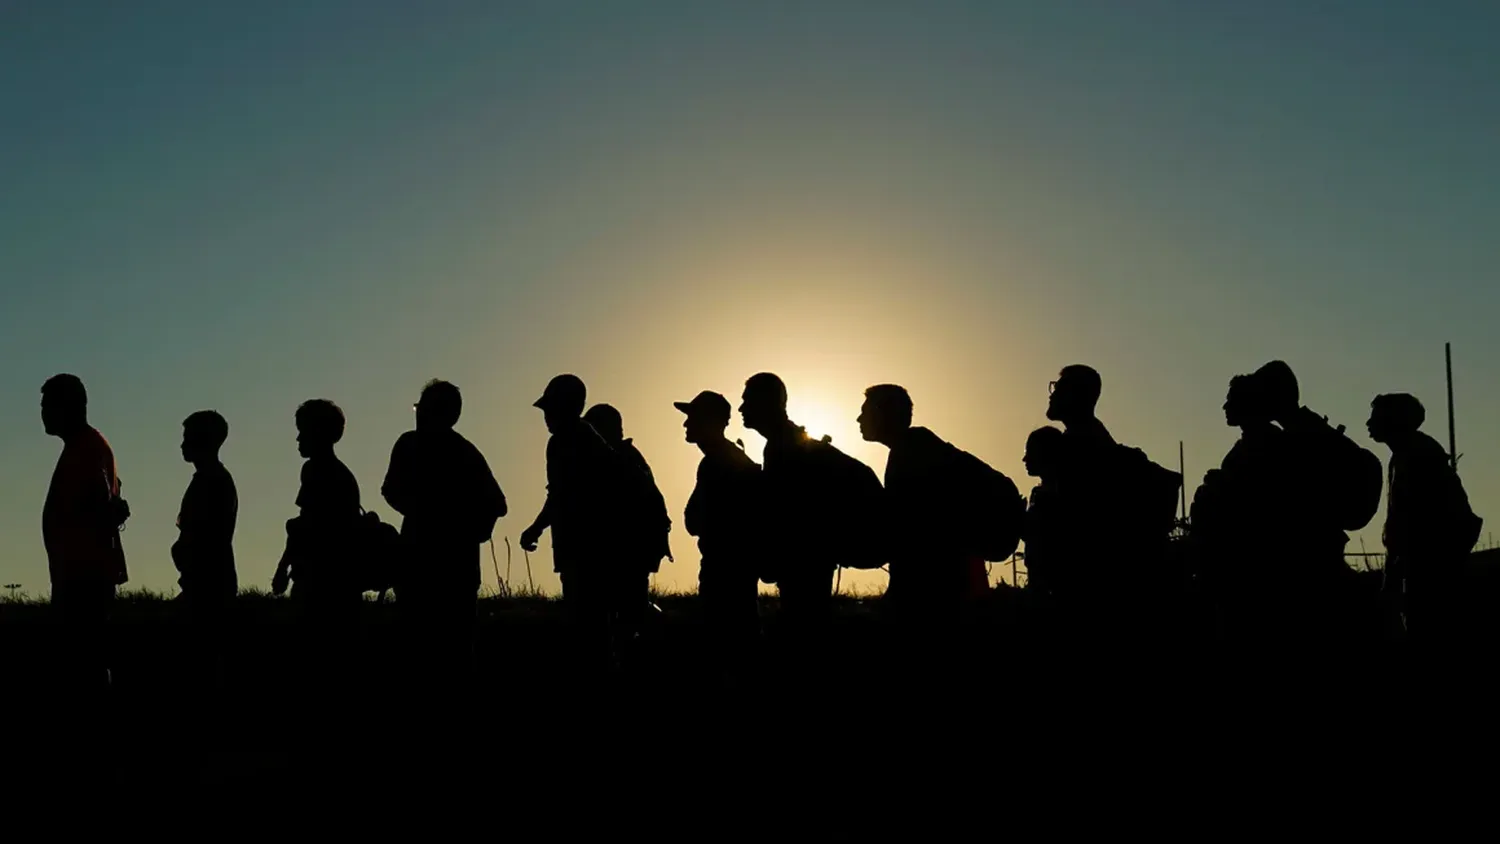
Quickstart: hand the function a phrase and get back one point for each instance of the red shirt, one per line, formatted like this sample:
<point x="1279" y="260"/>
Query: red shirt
<point x="81" y="544"/>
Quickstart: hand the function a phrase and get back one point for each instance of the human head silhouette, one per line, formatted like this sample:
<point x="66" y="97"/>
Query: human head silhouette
<point x="1395" y="417"/>
<point x="203" y="434"/>
<point x="1245" y="404"/>
<point x="886" y="414"/>
<point x="1044" y="448"/>
<point x="707" y="417"/>
<point x="439" y="407"/>
<point x="763" y="408"/>
<point x="65" y="405"/>
<point x="1074" y="394"/>
<point x="605" y="419"/>
<point x="1278" y="386"/>
<point x="320" y="425"/>
<point x="562" y="402"/>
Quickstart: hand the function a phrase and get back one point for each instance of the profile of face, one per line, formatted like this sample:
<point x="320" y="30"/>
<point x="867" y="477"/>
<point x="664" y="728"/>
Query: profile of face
<point x="698" y="430"/>
<point x="192" y="444"/>
<point x="759" y="411"/>
<point x="1042" y="452"/>
<point x="1063" y="399"/>
<point x="874" y="423"/>
<point x="1382" y="425"/>
<point x="52" y="416"/>
<point x="306" y="442"/>
<point x="556" y="420"/>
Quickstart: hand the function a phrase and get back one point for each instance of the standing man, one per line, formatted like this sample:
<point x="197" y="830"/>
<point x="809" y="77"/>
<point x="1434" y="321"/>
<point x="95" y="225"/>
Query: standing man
<point x="81" y="523"/>
<point x="1429" y="526"/>
<point x="723" y="513"/>
<point x="928" y="487"/>
<point x="204" y="550"/>
<point x="643" y="526"/>
<point x="578" y="474"/>
<point x="822" y="510"/>
<point x="449" y="502"/>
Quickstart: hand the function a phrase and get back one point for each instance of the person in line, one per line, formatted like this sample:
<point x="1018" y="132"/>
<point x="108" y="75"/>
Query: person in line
<point x="723" y="513"/>
<point x="1335" y="487"/>
<point x="81" y="523"/>
<point x="321" y="552"/>
<point x="1124" y="595"/>
<point x="643" y="528"/>
<point x="577" y="511"/>
<point x="1429" y="527"/>
<point x="800" y="557"/>
<point x="204" y="550"/>
<point x="1239" y="519"/>
<point x="1046" y="534"/>
<point x="449" y="501"/>
<point x="935" y="571"/>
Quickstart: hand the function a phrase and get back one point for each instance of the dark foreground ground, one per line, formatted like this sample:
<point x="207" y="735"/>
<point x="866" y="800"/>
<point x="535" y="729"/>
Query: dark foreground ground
<point x="1013" y="707"/>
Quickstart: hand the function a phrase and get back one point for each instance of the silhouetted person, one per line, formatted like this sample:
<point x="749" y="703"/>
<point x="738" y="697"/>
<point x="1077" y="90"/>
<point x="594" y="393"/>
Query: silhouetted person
<point x="642" y="526"/>
<point x="1241" y="522"/>
<point x="1120" y="508"/>
<point x="723" y="513"/>
<point x="1046" y="531"/>
<point x="934" y="570"/>
<point x="81" y="531"/>
<point x="320" y="559"/>
<point x="813" y="523"/>
<point x="1335" y="487"/>
<point x="579" y="468"/>
<point x="1429" y="526"/>
<point x="449" y="502"/>
<point x="204" y="550"/>
<point x="1088" y="570"/>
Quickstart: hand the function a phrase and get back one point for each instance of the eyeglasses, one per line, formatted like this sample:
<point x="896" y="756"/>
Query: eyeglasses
<point x="1051" y="387"/>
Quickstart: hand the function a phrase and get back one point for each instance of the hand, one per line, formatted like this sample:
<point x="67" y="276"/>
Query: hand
<point x="280" y="582"/>
<point x="529" y="538"/>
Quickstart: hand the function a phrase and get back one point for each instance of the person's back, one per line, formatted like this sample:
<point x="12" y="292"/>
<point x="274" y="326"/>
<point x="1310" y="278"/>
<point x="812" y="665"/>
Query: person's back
<point x="577" y="473"/>
<point x="924" y="492"/>
<point x="1428" y="506"/>
<point x="204" y="551"/>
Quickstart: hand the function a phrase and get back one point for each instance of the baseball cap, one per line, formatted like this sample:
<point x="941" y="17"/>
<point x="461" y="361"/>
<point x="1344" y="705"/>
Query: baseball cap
<point x="707" y="405"/>
<point x="562" y="392"/>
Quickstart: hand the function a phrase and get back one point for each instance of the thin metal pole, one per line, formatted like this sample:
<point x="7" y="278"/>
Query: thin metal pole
<point x="1182" y="470"/>
<point x="1452" y="429"/>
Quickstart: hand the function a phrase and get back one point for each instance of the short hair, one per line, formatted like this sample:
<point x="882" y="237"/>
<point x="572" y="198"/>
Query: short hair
<point x="767" y="384"/>
<point x="1278" y="385"/>
<point x="321" y="417"/>
<point x="67" y="389"/>
<point x="1090" y="385"/>
<point x="444" y="400"/>
<point x="209" y="424"/>
<point x="605" y="419"/>
<point x="892" y="399"/>
<point x="1045" y="436"/>
<point x="1401" y="408"/>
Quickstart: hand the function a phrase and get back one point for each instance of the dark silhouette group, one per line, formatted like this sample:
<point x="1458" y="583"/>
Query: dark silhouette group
<point x="1103" y="544"/>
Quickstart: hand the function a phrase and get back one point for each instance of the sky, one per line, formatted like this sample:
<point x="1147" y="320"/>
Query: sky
<point x="242" y="206"/>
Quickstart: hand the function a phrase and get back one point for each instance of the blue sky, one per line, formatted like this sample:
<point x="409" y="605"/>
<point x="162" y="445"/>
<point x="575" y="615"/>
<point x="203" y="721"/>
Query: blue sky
<point x="242" y="206"/>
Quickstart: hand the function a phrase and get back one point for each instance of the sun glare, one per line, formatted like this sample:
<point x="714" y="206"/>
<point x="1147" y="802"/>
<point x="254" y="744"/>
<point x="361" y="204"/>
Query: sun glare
<point x="825" y="419"/>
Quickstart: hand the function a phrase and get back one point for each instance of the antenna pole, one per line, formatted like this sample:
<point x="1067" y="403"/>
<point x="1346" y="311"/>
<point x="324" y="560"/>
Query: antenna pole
<point x="1452" y="431"/>
<point x="1182" y="470"/>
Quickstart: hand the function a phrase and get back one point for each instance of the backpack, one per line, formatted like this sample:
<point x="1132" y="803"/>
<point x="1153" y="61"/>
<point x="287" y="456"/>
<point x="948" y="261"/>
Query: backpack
<point x="640" y="508"/>
<point x="378" y="556"/>
<point x="992" y="511"/>
<point x="1350" y="477"/>
<point x="855" y="503"/>
<point x="1145" y="495"/>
